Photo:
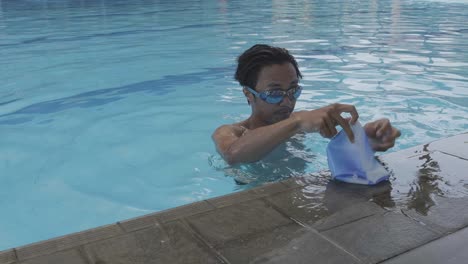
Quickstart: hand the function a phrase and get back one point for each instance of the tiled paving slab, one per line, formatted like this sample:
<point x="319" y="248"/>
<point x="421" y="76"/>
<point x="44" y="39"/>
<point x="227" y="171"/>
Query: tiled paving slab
<point x="7" y="256"/>
<point x="291" y="243"/>
<point x="186" y="248"/>
<point x="445" y="216"/>
<point x="165" y="216"/>
<point x="267" y="189"/>
<point x="447" y="250"/>
<point x="300" y="220"/>
<point x="237" y="220"/>
<point x="418" y="179"/>
<point x="323" y="206"/>
<point x="456" y="145"/>
<point x="72" y="256"/>
<point x="67" y="242"/>
<point x="130" y="248"/>
<point x="168" y="243"/>
<point x="347" y="215"/>
<point x="380" y="237"/>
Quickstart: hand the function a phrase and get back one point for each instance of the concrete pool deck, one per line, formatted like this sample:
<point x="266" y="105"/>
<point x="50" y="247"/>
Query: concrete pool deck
<point x="421" y="215"/>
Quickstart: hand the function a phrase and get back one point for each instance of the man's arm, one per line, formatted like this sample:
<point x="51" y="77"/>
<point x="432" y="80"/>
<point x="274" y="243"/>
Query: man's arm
<point x="239" y="146"/>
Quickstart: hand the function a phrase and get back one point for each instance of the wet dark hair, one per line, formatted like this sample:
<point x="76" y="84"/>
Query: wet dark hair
<point x="251" y="62"/>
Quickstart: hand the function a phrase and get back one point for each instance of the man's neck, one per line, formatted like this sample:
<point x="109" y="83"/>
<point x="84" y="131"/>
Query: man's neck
<point x="254" y="122"/>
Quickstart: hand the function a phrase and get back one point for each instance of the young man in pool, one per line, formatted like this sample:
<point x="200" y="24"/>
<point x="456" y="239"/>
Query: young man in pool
<point x="270" y="80"/>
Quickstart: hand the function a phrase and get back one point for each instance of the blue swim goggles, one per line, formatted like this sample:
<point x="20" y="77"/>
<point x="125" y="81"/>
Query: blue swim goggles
<point x="276" y="96"/>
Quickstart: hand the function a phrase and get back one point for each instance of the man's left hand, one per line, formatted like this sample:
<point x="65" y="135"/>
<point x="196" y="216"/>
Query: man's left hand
<point x="382" y="134"/>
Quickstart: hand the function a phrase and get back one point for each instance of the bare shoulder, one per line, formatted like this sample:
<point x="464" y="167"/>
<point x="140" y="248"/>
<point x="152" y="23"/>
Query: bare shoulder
<point x="225" y="135"/>
<point x="232" y="130"/>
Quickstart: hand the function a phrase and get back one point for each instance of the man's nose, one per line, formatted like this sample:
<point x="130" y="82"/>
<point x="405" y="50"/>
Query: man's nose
<point x="287" y="101"/>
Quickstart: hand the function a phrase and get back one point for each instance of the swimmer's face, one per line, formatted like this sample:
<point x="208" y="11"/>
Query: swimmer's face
<point x="274" y="77"/>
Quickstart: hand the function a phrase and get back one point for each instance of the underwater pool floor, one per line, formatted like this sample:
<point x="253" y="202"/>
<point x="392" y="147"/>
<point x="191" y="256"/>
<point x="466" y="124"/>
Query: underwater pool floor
<point x="411" y="219"/>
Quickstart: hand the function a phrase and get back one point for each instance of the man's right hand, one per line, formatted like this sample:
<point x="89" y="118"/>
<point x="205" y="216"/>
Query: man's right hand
<point x="324" y="120"/>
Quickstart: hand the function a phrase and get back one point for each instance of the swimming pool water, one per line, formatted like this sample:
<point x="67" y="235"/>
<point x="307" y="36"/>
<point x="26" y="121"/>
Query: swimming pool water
<point x="107" y="107"/>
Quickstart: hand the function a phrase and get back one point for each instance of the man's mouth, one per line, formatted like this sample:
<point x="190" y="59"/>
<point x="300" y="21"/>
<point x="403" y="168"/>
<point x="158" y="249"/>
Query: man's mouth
<point x="284" y="111"/>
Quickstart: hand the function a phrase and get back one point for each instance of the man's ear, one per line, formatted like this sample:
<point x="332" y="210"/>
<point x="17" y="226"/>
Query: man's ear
<point x="248" y="95"/>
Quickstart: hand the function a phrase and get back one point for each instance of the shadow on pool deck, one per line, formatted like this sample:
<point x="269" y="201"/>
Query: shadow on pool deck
<point x="301" y="220"/>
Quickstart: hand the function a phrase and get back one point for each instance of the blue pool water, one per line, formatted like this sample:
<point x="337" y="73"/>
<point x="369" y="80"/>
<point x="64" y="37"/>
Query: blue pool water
<point x="107" y="106"/>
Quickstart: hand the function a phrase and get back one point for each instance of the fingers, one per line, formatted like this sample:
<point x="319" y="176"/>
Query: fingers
<point x="398" y="133"/>
<point x="395" y="133"/>
<point x="383" y="128"/>
<point x="384" y="146"/>
<point x="345" y="108"/>
<point x="331" y="126"/>
<point x="338" y="109"/>
<point x="386" y="131"/>
<point x="387" y="142"/>
<point x="327" y="128"/>
<point x="333" y="117"/>
<point x="344" y="124"/>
